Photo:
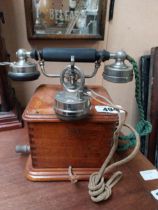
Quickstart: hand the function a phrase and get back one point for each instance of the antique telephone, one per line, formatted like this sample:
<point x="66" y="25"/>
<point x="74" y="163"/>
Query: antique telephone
<point x="71" y="103"/>
<point x="74" y="107"/>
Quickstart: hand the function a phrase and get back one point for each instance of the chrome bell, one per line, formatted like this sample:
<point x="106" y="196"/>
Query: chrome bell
<point x="22" y="70"/>
<point x="72" y="103"/>
<point x="72" y="106"/>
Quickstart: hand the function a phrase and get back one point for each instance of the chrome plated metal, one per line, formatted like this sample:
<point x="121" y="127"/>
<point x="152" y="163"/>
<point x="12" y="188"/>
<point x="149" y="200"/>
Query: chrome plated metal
<point x="118" y="72"/>
<point x="23" y="149"/>
<point x="23" y="70"/>
<point x="71" y="106"/>
<point x="23" y="67"/>
<point x="97" y="65"/>
<point x="72" y="103"/>
<point x="23" y="54"/>
<point x="72" y="79"/>
<point x="41" y="64"/>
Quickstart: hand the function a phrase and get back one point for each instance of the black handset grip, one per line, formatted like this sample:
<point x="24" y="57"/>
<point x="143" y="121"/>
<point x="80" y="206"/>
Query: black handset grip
<point x="64" y="54"/>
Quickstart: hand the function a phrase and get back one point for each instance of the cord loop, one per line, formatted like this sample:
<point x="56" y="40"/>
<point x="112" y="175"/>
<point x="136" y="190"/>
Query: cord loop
<point x="73" y="177"/>
<point x="99" y="190"/>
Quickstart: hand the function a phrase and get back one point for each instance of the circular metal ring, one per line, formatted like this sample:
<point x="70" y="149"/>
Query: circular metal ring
<point x="78" y="73"/>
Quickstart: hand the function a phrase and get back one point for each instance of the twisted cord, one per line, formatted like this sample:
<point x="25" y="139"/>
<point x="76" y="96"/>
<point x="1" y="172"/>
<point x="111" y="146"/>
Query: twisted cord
<point x="100" y="190"/>
<point x="143" y="127"/>
<point x="73" y="177"/>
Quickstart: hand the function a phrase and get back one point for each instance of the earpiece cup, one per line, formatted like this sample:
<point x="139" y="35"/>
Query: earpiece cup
<point x="24" y="76"/>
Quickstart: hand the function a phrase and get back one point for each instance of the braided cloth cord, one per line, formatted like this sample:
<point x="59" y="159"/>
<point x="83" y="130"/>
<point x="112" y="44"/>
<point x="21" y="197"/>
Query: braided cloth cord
<point x="143" y="127"/>
<point x="100" y="190"/>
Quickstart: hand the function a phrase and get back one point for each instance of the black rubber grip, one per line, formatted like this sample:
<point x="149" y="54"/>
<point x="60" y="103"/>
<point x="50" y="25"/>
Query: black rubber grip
<point x="64" y="54"/>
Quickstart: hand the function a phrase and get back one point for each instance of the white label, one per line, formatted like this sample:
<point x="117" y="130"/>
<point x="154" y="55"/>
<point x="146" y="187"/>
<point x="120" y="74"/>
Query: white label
<point x="107" y="109"/>
<point x="149" y="174"/>
<point x="155" y="194"/>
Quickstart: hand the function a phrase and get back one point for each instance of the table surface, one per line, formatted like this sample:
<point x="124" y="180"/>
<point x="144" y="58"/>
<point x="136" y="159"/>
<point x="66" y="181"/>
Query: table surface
<point x="16" y="193"/>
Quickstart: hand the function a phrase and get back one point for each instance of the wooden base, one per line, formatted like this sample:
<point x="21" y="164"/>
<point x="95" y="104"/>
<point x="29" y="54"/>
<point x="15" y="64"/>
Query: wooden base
<point x="9" y="120"/>
<point x="55" y="174"/>
<point x="55" y="144"/>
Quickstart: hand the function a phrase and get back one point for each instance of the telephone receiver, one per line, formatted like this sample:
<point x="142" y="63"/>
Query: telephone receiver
<point x="72" y="103"/>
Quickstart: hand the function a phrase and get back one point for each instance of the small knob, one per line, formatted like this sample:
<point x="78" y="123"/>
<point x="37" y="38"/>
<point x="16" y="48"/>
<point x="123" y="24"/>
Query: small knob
<point x="23" y="149"/>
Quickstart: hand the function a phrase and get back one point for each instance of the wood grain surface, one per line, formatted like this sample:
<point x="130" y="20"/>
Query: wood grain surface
<point x="58" y="144"/>
<point x="131" y="193"/>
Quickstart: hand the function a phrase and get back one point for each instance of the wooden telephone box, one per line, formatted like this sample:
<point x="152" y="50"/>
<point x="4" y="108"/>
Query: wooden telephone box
<point x="57" y="145"/>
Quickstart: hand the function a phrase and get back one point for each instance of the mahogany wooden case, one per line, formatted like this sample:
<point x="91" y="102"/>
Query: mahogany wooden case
<point x="56" y="145"/>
